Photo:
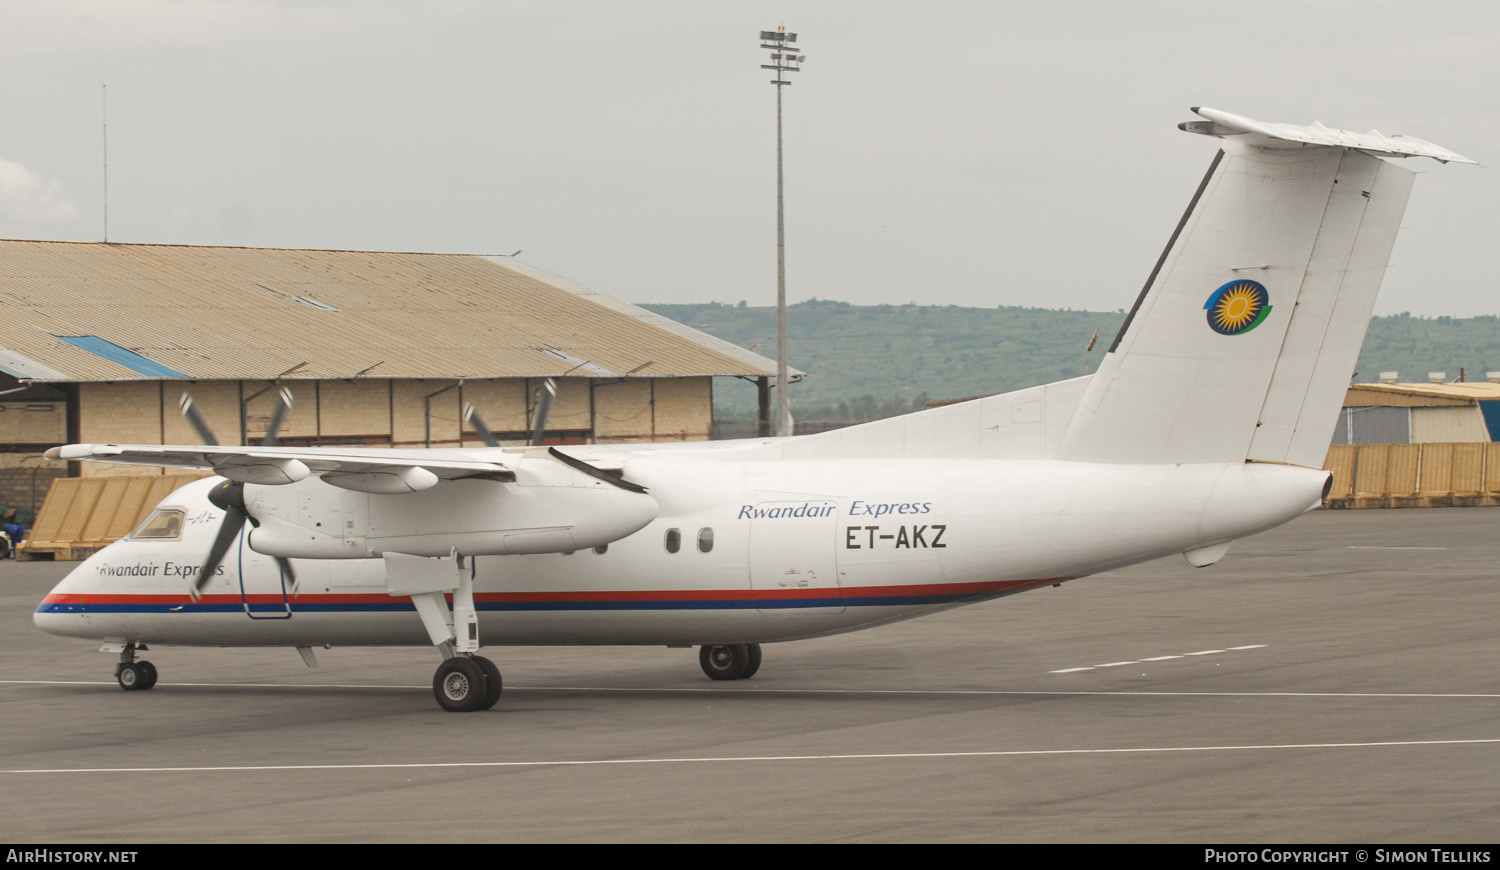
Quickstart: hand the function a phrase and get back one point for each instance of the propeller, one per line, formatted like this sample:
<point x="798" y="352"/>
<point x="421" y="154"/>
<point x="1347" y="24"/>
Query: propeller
<point x="545" y="395"/>
<point x="471" y="415"/>
<point x="278" y="416"/>
<point x="229" y="497"/>
<point x="195" y="417"/>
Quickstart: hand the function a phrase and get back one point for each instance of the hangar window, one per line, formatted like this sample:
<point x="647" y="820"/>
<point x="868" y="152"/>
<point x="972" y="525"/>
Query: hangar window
<point x="162" y="525"/>
<point x="705" y="540"/>
<point x="674" y="540"/>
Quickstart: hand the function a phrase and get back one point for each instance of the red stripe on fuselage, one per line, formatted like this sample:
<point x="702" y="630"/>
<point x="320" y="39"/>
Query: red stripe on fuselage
<point x="919" y="590"/>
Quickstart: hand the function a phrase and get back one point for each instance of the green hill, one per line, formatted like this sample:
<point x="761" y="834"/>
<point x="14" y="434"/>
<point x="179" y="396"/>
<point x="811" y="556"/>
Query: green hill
<point x="881" y="360"/>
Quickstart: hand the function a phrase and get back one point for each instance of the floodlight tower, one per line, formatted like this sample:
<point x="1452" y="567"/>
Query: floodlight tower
<point x="783" y="60"/>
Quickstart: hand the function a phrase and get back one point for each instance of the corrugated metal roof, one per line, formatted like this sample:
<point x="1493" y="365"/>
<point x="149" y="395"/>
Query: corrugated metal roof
<point x="1467" y="393"/>
<point x="252" y="313"/>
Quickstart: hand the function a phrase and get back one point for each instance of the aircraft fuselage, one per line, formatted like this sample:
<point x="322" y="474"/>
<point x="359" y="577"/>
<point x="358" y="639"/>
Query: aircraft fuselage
<point x="740" y="552"/>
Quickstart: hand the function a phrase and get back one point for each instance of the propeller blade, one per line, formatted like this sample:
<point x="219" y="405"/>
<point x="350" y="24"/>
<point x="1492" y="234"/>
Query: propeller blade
<point x="471" y="414"/>
<point x="278" y="417"/>
<point x="545" y="395"/>
<point x="195" y="417"/>
<point x="288" y="576"/>
<point x="230" y="498"/>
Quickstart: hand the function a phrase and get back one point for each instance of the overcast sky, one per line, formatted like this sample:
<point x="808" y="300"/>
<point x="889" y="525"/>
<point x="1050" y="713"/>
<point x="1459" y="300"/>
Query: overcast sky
<point x="972" y="153"/>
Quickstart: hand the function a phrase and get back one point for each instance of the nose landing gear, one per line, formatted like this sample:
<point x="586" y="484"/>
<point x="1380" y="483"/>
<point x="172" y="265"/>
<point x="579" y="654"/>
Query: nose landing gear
<point x="733" y="661"/>
<point x="132" y="675"/>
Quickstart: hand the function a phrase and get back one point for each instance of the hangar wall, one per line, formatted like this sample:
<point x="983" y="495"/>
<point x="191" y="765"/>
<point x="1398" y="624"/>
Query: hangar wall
<point x="373" y="412"/>
<point x="26" y="429"/>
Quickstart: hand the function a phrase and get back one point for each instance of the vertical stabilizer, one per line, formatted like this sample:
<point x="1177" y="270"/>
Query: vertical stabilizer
<point x="1244" y="338"/>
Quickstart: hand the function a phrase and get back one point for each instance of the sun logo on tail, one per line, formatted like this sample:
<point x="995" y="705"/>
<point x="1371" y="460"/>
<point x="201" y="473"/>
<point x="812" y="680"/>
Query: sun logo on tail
<point x="1237" y="307"/>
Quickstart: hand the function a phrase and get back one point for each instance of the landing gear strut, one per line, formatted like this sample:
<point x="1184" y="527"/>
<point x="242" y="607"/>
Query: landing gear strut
<point x="134" y="676"/>
<point x="464" y="682"/>
<point x="733" y="661"/>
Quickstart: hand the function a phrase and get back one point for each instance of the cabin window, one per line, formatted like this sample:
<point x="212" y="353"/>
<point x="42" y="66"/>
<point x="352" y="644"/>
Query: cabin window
<point x="162" y="525"/>
<point x="705" y="540"/>
<point x="674" y="540"/>
<point x="602" y="549"/>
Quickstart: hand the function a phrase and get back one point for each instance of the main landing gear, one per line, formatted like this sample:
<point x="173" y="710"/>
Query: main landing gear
<point x="466" y="684"/>
<point x="732" y="661"/>
<point x="134" y="676"/>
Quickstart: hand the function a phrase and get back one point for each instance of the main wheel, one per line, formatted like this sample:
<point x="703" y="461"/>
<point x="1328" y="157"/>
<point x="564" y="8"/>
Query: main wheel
<point x="753" y="664"/>
<point x="150" y="670"/>
<point x="724" y="661"/>
<point x="491" y="682"/>
<point x="132" y="677"/>
<point x="459" y="685"/>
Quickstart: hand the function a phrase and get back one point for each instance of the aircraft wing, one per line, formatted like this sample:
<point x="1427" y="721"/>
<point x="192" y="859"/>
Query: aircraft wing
<point x="379" y="470"/>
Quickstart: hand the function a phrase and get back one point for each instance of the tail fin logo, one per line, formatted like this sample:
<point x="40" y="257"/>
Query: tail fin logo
<point x="1237" y="307"/>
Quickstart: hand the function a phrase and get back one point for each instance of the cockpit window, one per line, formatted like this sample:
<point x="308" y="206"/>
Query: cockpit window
<point x="163" y="525"/>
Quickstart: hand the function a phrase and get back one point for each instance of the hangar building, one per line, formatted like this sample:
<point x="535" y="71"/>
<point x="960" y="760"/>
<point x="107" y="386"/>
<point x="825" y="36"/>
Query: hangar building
<point x="1417" y="445"/>
<point x="1392" y="413"/>
<point x="378" y="349"/>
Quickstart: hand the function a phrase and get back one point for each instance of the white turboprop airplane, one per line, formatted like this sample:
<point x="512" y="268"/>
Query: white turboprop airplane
<point x="1207" y="421"/>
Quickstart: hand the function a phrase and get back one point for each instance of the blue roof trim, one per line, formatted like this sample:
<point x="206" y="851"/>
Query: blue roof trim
<point x="120" y="356"/>
<point x="1490" y="408"/>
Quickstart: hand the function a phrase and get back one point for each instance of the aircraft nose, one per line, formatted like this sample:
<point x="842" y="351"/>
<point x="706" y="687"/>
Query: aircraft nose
<point x="62" y="611"/>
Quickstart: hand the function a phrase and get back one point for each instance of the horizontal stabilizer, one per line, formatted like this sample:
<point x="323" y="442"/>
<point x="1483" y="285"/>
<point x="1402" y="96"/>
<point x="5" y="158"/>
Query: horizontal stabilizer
<point x="1261" y="134"/>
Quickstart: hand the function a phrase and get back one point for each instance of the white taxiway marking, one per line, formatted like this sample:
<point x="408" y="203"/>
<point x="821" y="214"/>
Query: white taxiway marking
<point x="1201" y="652"/>
<point x="766" y="690"/>
<point x="742" y="759"/>
<point x="1394" y="548"/>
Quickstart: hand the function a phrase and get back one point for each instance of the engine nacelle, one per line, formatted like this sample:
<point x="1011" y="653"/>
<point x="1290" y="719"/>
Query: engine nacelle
<point x="549" y="508"/>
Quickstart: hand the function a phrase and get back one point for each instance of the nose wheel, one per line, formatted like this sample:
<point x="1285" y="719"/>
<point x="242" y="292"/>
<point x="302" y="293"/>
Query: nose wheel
<point x="729" y="661"/>
<point x="136" y="676"/>
<point x="132" y="675"/>
<point x="466" y="684"/>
